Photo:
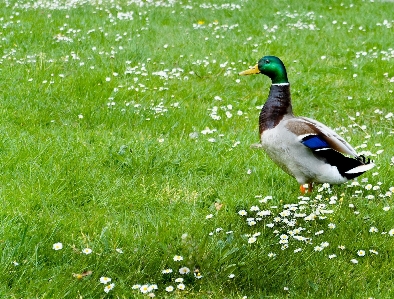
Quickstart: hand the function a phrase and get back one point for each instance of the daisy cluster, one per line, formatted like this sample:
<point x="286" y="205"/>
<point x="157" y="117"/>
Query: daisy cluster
<point x="375" y="144"/>
<point x="224" y="6"/>
<point x="216" y="29"/>
<point x="107" y="281"/>
<point x="304" y="20"/>
<point x="291" y="223"/>
<point x="174" y="280"/>
<point x="214" y="66"/>
<point x="214" y="26"/>
<point x="369" y="191"/>
<point x="374" y="53"/>
<point x="386" y="23"/>
<point x="212" y="136"/>
<point x="308" y="221"/>
<point x="224" y="111"/>
<point x="72" y="4"/>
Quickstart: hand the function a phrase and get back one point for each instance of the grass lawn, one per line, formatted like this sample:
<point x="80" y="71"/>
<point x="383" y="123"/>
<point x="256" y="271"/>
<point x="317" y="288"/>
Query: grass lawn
<point x="126" y="167"/>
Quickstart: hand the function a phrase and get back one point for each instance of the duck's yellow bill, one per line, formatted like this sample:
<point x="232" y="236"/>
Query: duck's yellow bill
<point x="252" y="71"/>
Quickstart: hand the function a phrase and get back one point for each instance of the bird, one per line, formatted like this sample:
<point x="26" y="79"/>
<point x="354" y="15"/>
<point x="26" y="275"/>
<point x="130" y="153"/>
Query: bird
<point x="306" y="149"/>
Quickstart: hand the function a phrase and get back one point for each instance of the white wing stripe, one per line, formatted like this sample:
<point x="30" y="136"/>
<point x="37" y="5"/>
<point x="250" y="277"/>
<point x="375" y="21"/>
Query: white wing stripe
<point x="362" y="168"/>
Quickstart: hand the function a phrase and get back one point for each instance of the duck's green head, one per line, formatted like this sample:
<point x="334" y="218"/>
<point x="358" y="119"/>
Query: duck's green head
<point x="270" y="66"/>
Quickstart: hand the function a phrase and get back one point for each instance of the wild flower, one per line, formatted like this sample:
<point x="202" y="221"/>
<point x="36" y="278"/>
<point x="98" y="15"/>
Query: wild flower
<point x="324" y="244"/>
<point x="318" y="248"/>
<point x="333" y="200"/>
<point x="285" y="213"/>
<point x="169" y="289"/>
<point x="265" y="199"/>
<point x="178" y="258"/>
<point x="231" y="276"/>
<point x="144" y="289"/>
<point x="242" y="213"/>
<point x="181" y="286"/>
<point x="360" y="252"/>
<point x="153" y="287"/>
<point x="57" y="246"/>
<point x="254" y="208"/>
<point x="166" y="271"/>
<point x="105" y="279"/>
<point x="310" y="217"/>
<point x="300" y="238"/>
<point x="208" y="131"/>
<point x="87" y="251"/>
<point x="109" y="287"/>
<point x="354" y="261"/>
<point x="179" y="279"/>
<point x="264" y="213"/>
<point x="373" y="229"/>
<point x="283" y="241"/>
<point x="252" y="222"/>
<point x="284" y="237"/>
<point x="184" y="270"/>
<point x="252" y="240"/>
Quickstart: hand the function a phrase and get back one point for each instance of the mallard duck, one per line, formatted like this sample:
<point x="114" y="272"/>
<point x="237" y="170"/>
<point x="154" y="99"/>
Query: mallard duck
<point x="304" y="148"/>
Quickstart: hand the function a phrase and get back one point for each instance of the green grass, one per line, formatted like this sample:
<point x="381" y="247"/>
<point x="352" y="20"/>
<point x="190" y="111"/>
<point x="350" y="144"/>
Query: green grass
<point x="139" y="175"/>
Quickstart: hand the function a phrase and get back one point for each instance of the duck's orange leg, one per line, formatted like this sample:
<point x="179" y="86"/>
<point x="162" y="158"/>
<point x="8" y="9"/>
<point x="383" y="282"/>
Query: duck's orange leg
<point x="304" y="190"/>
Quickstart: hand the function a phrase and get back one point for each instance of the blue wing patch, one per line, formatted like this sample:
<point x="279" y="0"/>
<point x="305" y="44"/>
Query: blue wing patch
<point x="314" y="142"/>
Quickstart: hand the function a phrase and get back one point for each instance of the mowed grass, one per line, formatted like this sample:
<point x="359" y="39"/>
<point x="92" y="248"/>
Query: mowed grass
<point x="126" y="130"/>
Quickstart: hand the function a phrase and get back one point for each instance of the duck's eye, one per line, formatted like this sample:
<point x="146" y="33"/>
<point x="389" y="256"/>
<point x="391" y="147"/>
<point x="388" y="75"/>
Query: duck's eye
<point x="267" y="61"/>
